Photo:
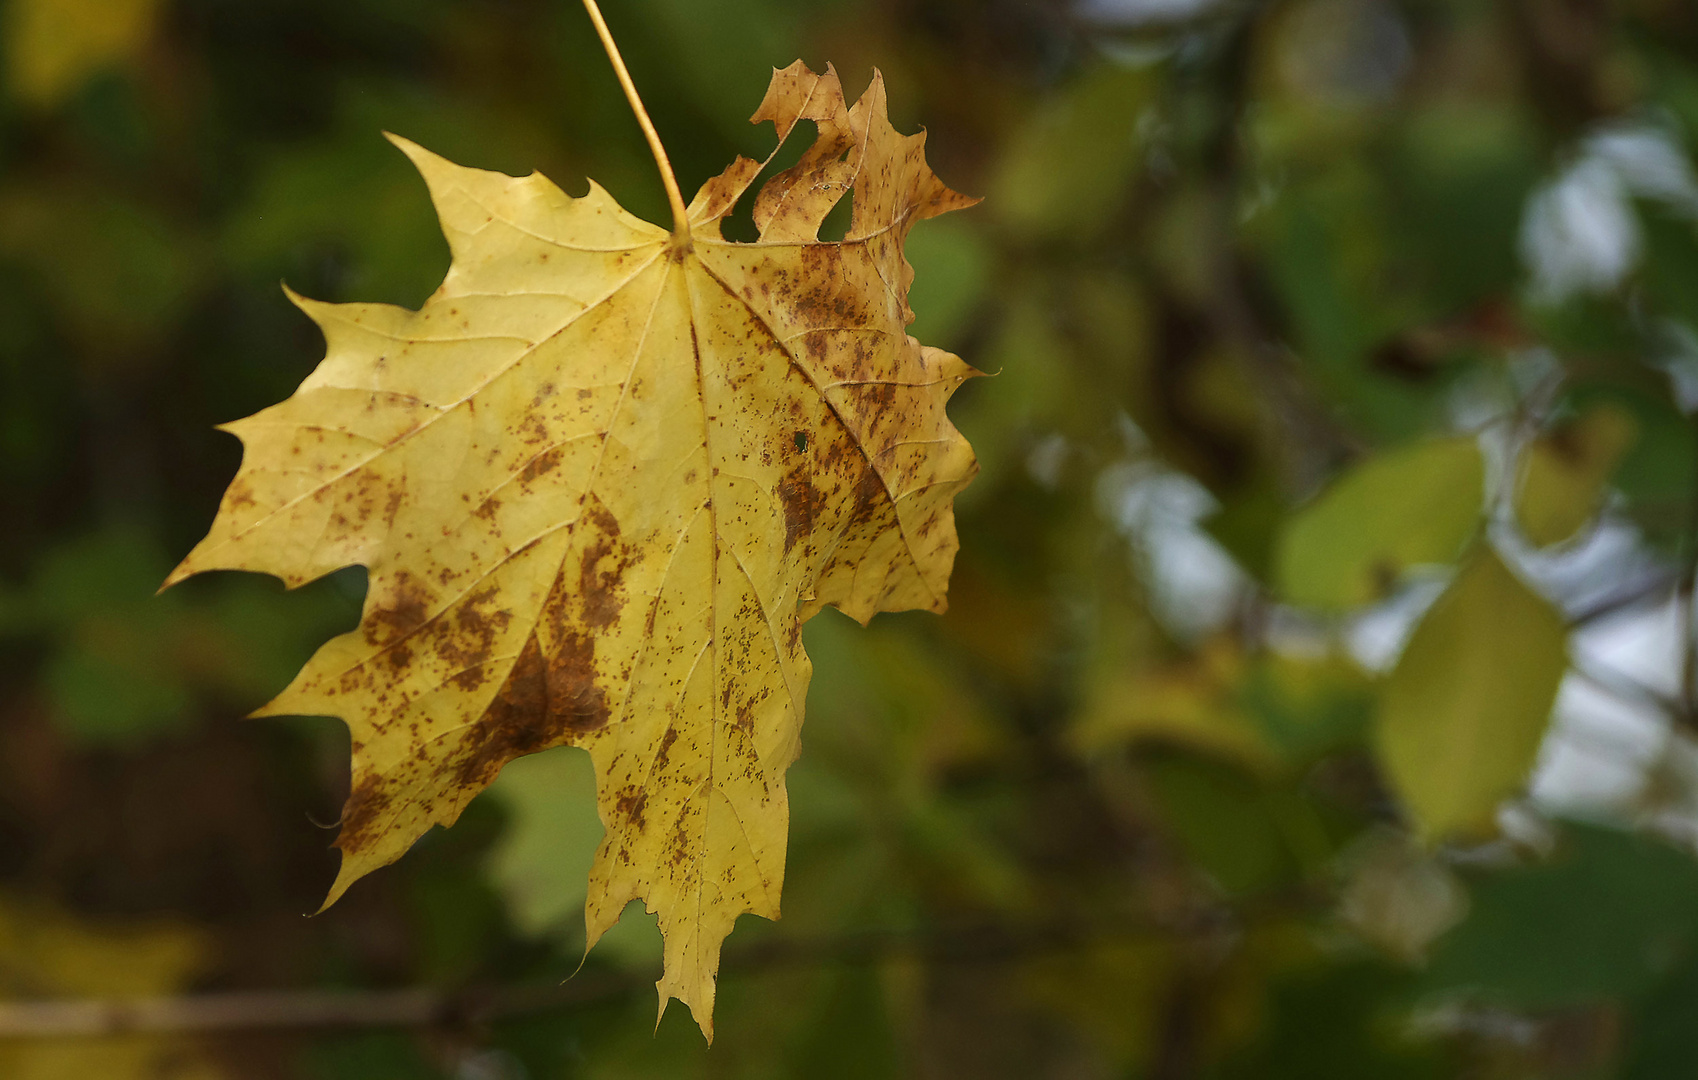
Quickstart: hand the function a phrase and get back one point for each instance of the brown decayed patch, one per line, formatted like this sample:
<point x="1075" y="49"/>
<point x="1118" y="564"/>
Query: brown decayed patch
<point x="240" y="495"/>
<point x="531" y="429"/>
<point x="681" y="839"/>
<point x="602" y="570"/>
<point x="631" y="803"/>
<point x="572" y="685"/>
<point x="870" y="497"/>
<point x="467" y="641"/>
<point x="664" y="750"/>
<point x="404" y="609"/>
<point x="517" y="722"/>
<point x="362" y="813"/>
<point x="541" y="465"/>
<point x="799" y="499"/>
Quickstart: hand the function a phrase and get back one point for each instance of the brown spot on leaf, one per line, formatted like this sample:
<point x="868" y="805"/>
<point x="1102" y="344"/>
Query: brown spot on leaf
<point x="602" y="570"/>
<point x="541" y="465"/>
<point x="516" y="723"/>
<point x="572" y="685"/>
<point x="362" y="814"/>
<point x="664" y="750"/>
<point x="402" y="611"/>
<point x="631" y="803"/>
<point x="240" y="494"/>
<point x="799" y="499"/>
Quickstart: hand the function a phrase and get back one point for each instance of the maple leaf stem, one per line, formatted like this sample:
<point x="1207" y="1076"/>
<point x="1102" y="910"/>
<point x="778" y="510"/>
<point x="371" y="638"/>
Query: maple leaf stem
<point x="680" y="217"/>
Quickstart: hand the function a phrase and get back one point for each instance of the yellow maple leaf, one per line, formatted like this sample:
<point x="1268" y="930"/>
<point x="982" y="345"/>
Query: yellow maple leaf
<point x="599" y="482"/>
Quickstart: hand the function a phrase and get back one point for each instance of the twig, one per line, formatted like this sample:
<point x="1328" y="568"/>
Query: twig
<point x="425" y="1007"/>
<point x="680" y="216"/>
<point x="1651" y="586"/>
<point x="1627" y="688"/>
<point x="220" y="1012"/>
<point x="1687" y="612"/>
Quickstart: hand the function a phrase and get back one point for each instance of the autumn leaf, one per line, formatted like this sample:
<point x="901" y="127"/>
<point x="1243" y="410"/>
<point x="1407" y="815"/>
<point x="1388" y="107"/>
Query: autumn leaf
<point x="599" y="481"/>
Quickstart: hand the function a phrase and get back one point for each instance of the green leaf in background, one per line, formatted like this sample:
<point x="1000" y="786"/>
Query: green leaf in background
<point x="951" y="262"/>
<point x="1460" y="174"/>
<point x="1067" y="166"/>
<point x="1658" y="469"/>
<point x="1262" y="712"/>
<point x="1664" y="1040"/>
<point x="722" y="52"/>
<point x="1332" y="1023"/>
<point x="1408" y="507"/>
<point x="1235" y="828"/>
<point x="852" y="1039"/>
<point x="118" y="273"/>
<point x="1609" y="915"/>
<point x="122" y="665"/>
<point x="1567" y="471"/>
<point x="1462" y="715"/>
<point x="112" y="676"/>
<point x="541" y="864"/>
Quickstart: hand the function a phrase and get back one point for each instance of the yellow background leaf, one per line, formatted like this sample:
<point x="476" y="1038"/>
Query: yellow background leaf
<point x="53" y="46"/>
<point x="1567" y="471"/>
<point x="1462" y="714"/>
<point x="47" y="954"/>
<point x="1415" y="505"/>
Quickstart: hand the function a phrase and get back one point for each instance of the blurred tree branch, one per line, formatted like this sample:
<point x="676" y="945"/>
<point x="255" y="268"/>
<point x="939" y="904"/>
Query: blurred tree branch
<point x="426" y="1007"/>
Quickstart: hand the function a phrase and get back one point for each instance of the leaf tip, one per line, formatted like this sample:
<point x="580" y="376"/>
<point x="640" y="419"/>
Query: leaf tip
<point x="430" y="165"/>
<point x="182" y="571"/>
<point x="404" y="144"/>
<point x="348" y="873"/>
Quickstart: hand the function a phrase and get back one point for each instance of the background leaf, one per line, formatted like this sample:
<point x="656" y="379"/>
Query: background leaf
<point x="1566" y="473"/>
<point x="1462" y="714"/>
<point x="1353" y="544"/>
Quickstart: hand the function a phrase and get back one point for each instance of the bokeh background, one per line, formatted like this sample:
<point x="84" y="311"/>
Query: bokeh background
<point x="1317" y="697"/>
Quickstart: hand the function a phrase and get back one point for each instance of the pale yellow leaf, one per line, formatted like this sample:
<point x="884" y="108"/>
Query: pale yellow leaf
<point x="1411" y="506"/>
<point x="1463" y="713"/>
<point x="1566" y="472"/>
<point x="1195" y="703"/>
<point x="599" y="481"/>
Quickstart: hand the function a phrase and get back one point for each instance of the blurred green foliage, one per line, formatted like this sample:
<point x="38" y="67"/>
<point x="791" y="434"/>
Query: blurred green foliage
<point x="1345" y="356"/>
